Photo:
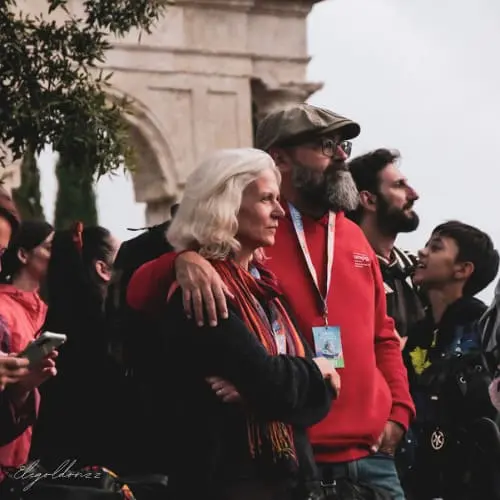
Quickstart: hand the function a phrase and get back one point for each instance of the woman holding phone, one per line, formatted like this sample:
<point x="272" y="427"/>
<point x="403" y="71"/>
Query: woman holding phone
<point x="22" y="315"/>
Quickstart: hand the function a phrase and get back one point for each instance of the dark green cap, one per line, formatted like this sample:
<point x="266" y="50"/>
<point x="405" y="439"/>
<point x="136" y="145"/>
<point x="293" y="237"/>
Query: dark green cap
<point x="301" y="122"/>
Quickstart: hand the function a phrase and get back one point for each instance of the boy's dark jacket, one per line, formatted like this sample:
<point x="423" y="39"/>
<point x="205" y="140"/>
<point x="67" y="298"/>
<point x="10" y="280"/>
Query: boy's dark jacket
<point x="436" y="353"/>
<point x="428" y="341"/>
<point x="449" y="374"/>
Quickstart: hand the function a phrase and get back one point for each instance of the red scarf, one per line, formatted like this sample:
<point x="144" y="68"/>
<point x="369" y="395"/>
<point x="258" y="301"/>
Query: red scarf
<point x="249" y="293"/>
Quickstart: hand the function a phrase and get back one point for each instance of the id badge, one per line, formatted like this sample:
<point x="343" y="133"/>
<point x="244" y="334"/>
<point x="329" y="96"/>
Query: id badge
<point x="328" y="344"/>
<point x="279" y="338"/>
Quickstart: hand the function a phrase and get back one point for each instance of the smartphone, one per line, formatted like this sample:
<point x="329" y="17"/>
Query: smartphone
<point x="42" y="346"/>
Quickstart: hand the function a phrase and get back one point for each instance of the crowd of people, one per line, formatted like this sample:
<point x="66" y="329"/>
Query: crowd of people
<point x="270" y="341"/>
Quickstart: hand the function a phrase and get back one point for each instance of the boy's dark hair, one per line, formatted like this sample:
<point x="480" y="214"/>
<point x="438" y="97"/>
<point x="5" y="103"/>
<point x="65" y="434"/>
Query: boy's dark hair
<point x="474" y="246"/>
<point x="365" y="171"/>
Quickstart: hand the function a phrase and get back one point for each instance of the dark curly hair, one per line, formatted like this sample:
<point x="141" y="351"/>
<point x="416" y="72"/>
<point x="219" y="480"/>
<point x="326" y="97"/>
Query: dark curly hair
<point x="365" y="170"/>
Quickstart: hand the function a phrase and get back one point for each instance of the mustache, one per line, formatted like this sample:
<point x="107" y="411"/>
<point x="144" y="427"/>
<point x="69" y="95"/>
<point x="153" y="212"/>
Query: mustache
<point x="332" y="189"/>
<point x="335" y="166"/>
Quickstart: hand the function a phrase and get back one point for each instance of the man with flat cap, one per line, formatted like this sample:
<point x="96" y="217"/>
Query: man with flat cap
<point x="331" y="279"/>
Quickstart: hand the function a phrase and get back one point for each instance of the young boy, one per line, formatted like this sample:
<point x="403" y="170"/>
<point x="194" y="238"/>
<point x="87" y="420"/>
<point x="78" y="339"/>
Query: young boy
<point x="446" y="365"/>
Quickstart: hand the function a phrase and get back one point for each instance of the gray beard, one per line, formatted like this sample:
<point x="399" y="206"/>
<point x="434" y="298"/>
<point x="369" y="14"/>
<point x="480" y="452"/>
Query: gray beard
<point x="333" y="189"/>
<point x="342" y="193"/>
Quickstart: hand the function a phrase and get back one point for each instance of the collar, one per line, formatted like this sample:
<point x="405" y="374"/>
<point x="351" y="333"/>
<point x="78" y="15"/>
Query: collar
<point x="391" y="261"/>
<point x="395" y="267"/>
<point x="323" y="220"/>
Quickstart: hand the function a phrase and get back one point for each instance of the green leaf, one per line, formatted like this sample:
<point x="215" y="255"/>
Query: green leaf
<point x="48" y="92"/>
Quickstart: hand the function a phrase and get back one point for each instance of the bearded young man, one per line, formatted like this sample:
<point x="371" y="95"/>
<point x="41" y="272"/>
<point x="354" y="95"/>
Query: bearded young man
<point x="330" y="277"/>
<point x="385" y="210"/>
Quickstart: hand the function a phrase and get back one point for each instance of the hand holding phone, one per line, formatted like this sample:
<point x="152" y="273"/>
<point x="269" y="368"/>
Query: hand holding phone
<point x="42" y="346"/>
<point x="12" y="369"/>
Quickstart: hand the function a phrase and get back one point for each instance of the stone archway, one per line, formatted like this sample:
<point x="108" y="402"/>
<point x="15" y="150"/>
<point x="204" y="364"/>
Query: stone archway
<point x="155" y="178"/>
<point x="150" y="184"/>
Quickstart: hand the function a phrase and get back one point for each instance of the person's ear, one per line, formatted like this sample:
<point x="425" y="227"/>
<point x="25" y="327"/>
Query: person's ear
<point x="368" y="201"/>
<point x="464" y="270"/>
<point x="22" y="255"/>
<point x="103" y="270"/>
<point x="280" y="158"/>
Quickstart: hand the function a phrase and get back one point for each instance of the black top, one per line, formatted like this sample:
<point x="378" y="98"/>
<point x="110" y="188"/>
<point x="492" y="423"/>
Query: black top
<point x="428" y="341"/>
<point x="404" y="303"/>
<point x="210" y="437"/>
<point x="83" y="409"/>
<point x="449" y="377"/>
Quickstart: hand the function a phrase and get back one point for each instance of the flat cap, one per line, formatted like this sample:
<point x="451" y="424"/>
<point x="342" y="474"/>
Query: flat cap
<point x="299" y="122"/>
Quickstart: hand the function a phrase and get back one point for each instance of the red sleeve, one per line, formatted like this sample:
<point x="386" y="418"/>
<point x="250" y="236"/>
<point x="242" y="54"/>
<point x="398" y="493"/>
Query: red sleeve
<point x="389" y="357"/>
<point x="148" y="287"/>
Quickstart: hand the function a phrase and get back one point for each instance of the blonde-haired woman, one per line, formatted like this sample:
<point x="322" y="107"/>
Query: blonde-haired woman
<point x="255" y="446"/>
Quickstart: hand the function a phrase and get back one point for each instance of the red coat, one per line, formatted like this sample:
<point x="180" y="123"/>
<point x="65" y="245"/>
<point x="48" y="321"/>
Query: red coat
<point x="22" y="316"/>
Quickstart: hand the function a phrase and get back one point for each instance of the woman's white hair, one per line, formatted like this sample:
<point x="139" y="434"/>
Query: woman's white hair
<point x="206" y="220"/>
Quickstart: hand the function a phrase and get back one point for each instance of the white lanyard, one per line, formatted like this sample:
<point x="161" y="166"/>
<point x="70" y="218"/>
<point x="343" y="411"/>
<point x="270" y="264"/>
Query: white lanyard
<point x="330" y="248"/>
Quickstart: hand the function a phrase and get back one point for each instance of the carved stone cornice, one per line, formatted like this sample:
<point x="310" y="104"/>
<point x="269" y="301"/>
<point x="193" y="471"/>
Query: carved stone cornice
<point x="232" y="5"/>
<point x="267" y="99"/>
<point x="274" y="7"/>
<point x="300" y="8"/>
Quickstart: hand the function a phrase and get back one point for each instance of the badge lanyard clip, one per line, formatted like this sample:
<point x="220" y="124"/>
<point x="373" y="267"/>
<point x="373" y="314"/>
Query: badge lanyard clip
<point x="330" y="248"/>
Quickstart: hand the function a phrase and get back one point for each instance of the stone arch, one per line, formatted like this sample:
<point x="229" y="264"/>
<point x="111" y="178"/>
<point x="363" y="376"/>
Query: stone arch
<point x="155" y="177"/>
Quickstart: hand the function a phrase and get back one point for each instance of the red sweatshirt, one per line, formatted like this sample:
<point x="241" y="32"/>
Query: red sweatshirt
<point x="22" y="316"/>
<point x="374" y="381"/>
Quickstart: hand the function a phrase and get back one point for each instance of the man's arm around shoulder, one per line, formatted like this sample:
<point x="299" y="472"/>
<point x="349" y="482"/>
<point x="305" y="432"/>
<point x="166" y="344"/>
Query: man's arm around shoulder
<point x="148" y="287"/>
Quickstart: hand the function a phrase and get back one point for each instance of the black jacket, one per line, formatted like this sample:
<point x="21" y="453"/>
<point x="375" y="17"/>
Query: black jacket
<point x="404" y="303"/>
<point x="430" y="341"/>
<point x="449" y="376"/>
<point x="209" y="438"/>
<point x="83" y="409"/>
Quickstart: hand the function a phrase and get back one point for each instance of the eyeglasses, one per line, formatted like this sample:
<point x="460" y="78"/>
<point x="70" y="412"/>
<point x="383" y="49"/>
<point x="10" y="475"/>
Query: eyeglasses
<point x="329" y="147"/>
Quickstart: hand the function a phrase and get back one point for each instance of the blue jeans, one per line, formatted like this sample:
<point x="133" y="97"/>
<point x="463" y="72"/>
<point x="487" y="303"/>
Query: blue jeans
<point x="377" y="470"/>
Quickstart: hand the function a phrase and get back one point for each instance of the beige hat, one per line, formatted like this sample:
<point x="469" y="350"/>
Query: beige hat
<point x="301" y="122"/>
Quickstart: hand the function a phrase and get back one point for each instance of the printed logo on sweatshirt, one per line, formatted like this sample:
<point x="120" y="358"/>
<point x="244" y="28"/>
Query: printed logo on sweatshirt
<point x="361" y="260"/>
